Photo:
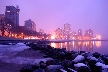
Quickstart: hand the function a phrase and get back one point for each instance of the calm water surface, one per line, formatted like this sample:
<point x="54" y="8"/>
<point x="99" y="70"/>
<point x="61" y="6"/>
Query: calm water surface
<point x="90" y="46"/>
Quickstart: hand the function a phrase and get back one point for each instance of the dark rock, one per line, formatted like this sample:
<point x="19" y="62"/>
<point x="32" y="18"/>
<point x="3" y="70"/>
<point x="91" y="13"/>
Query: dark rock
<point x="96" y="54"/>
<point x="67" y="64"/>
<point x="73" y="56"/>
<point x="53" y="68"/>
<point x="82" y="52"/>
<point x="91" y="64"/>
<point x="62" y="55"/>
<point x="36" y="66"/>
<point x="45" y="56"/>
<point x="28" y="68"/>
<point x="51" y="62"/>
<point x="81" y="67"/>
<point x="79" y="58"/>
<point x="62" y="70"/>
<point x="105" y="60"/>
<point x="63" y="49"/>
<point x="71" y="70"/>
<point x="39" y="70"/>
<point x="87" y="54"/>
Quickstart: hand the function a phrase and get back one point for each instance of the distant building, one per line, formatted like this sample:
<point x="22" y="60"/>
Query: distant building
<point x="12" y="13"/>
<point x="59" y="33"/>
<point x="79" y="32"/>
<point x="67" y="28"/>
<point x="30" y="25"/>
<point x="2" y="16"/>
<point x="89" y="33"/>
<point x="41" y="31"/>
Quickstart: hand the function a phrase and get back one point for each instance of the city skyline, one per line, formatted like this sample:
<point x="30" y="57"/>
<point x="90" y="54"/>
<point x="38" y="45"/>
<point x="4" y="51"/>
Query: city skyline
<point x="54" y="14"/>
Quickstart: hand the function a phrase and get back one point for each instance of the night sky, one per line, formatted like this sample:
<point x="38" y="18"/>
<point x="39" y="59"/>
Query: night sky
<point x="51" y="14"/>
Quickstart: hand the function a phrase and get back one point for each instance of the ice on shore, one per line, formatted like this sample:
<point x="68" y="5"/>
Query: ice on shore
<point x="72" y="70"/>
<point x="63" y="70"/>
<point x="7" y="53"/>
<point x="104" y="67"/>
<point x="80" y="64"/>
<point x="92" y="58"/>
<point x="17" y="47"/>
<point x="79" y="58"/>
<point x="24" y="60"/>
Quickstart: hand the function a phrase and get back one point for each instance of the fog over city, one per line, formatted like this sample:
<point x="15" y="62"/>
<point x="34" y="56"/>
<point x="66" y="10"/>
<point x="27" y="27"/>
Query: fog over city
<point x="52" y="14"/>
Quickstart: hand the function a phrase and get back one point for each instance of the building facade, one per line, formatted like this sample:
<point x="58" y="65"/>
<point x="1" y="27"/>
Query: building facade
<point x="41" y="31"/>
<point x="30" y="25"/>
<point x="79" y="32"/>
<point x="89" y="34"/>
<point x="12" y="13"/>
<point x="2" y="16"/>
<point x="67" y="30"/>
<point x="59" y="33"/>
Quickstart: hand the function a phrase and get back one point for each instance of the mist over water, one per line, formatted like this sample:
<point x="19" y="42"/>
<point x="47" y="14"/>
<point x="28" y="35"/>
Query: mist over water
<point x="89" y="46"/>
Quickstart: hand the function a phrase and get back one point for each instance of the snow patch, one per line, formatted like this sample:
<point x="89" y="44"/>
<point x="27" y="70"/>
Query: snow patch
<point x="79" y="58"/>
<point x="92" y="58"/>
<point x="101" y="64"/>
<point x="104" y="67"/>
<point x="63" y="70"/>
<point x="72" y="70"/>
<point x="24" y="60"/>
<point x="79" y="65"/>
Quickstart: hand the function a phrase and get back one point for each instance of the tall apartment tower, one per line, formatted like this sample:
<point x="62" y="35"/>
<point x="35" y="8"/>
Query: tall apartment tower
<point x="12" y="13"/>
<point x="67" y="28"/>
<point x="79" y="32"/>
<point x="30" y="25"/>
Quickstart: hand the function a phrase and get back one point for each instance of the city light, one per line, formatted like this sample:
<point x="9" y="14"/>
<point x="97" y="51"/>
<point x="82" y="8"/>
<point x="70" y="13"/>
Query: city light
<point x="98" y="43"/>
<point x="8" y="11"/>
<point x="12" y="35"/>
<point x="98" y="37"/>
<point x="53" y="45"/>
<point x="52" y="37"/>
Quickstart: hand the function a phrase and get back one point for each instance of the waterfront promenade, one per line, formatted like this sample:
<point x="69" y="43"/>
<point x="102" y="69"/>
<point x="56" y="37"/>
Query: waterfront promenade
<point x="9" y="39"/>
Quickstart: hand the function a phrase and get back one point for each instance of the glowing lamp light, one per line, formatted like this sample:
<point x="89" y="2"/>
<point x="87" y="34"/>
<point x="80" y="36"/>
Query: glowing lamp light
<point x="8" y="11"/>
<point x="73" y="38"/>
<point x="52" y="37"/>
<point x="12" y="34"/>
<point x="98" y="37"/>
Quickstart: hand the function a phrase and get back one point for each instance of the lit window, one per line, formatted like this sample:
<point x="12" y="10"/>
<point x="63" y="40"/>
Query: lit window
<point x="8" y="11"/>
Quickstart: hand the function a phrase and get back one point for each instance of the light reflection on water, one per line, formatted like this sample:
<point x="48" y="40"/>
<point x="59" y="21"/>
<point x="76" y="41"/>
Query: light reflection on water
<point x="90" y="46"/>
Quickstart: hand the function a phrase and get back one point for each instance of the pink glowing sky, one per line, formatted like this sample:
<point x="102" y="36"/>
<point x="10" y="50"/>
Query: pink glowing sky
<point x="51" y="14"/>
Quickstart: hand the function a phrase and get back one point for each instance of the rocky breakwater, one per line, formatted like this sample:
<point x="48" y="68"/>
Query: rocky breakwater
<point x="67" y="61"/>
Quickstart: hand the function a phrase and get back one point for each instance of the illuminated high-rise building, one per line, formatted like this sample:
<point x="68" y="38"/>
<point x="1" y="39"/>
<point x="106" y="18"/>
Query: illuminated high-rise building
<point x="90" y="33"/>
<point x="79" y="32"/>
<point x="30" y="25"/>
<point x="59" y="33"/>
<point x="12" y="13"/>
<point x="41" y="31"/>
<point x="67" y="30"/>
<point x="87" y="33"/>
<point x="2" y="16"/>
